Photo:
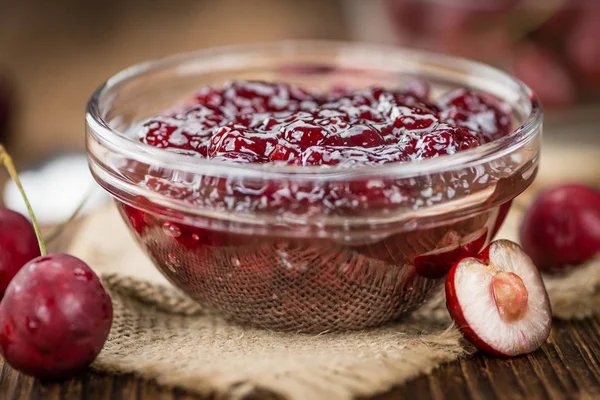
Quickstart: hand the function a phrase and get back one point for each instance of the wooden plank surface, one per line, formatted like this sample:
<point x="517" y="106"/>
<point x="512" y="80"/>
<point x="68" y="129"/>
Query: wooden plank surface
<point x="567" y="367"/>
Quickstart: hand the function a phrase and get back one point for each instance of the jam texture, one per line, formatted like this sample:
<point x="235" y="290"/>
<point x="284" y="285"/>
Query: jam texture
<point x="281" y="124"/>
<point x="260" y="122"/>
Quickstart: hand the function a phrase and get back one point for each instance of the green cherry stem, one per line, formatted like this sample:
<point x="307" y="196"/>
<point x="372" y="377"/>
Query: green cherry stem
<point x="7" y="161"/>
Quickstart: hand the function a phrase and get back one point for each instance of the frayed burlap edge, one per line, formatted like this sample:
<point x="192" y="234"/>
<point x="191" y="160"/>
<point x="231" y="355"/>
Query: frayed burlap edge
<point x="352" y="364"/>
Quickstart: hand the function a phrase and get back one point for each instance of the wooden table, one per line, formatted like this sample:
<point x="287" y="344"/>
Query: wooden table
<point x="567" y="367"/>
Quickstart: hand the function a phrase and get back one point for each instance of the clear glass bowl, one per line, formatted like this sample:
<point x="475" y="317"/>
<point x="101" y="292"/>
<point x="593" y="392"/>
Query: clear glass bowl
<point x="293" y="266"/>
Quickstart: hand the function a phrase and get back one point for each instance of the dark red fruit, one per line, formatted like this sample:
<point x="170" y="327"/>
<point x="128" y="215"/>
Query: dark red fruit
<point x="478" y="112"/>
<point x="303" y="134"/>
<point x="254" y="96"/>
<point x="54" y="318"/>
<point x="284" y="153"/>
<point x="360" y="136"/>
<point x="18" y="245"/>
<point x="238" y="140"/>
<point x="189" y="129"/>
<point x="561" y="228"/>
<point x="445" y="140"/>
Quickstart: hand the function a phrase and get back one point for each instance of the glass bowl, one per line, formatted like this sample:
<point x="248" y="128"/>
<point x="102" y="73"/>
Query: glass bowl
<point x="298" y="265"/>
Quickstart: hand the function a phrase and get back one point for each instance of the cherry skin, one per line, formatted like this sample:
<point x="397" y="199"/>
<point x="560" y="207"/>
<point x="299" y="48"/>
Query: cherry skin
<point x="18" y="245"/>
<point x="54" y="318"/>
<point x="562" y="227"/>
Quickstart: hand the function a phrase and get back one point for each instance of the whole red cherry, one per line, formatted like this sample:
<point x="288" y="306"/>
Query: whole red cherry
<point x="54" y="318"/>
<point x="18" y="245"/>
<point x="562" y="227"/>
<point x="55" y="315"/>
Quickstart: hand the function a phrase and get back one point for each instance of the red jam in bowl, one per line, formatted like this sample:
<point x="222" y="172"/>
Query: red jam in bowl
<point x="258" y="122"/>
<point x="306" y="281"/>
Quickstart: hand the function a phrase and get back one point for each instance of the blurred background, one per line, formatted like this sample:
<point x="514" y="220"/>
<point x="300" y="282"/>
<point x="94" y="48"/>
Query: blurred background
<point x="53" y="54"/>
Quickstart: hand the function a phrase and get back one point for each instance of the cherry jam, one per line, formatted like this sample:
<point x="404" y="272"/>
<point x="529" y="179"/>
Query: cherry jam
<point x="259" y="122"/>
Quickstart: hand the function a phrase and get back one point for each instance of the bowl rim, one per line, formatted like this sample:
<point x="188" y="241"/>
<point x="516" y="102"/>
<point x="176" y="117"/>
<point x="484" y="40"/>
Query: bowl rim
<point x="132" y="148"/>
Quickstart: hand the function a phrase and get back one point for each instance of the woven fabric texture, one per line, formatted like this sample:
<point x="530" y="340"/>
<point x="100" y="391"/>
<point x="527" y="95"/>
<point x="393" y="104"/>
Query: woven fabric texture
<point x="161" y="334"/>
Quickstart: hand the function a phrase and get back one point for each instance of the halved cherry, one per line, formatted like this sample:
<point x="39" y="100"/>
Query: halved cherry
<point x="498" y="300"/>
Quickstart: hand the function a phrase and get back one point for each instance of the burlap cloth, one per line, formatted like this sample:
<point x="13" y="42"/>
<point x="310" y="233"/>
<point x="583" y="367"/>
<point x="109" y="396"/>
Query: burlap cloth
<point x="160" y="334"/>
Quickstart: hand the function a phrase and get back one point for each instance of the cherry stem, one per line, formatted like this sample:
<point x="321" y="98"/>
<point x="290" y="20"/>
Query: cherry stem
<point x="7" y="161"/>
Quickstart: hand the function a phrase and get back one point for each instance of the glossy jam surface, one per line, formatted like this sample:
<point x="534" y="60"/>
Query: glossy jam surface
<point x="259" y="122"/>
